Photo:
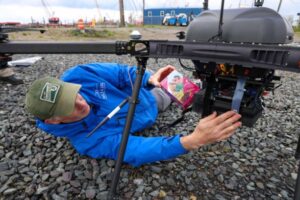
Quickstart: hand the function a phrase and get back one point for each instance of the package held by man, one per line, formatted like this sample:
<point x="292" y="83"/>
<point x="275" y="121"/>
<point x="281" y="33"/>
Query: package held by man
<point x="179" y="88"/>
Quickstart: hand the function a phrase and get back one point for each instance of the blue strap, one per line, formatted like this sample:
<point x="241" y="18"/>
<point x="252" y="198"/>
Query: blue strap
<point x="238" y="94"/>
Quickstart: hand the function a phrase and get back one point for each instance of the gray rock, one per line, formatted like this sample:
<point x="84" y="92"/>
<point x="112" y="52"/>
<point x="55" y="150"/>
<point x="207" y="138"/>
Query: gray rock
<point x="9" y="191"/>
<point x="90" y="193"/>
<point x="250" y="186"/>
<point x="102" y="195"/>
<point x="4" y="166"/>
<point x="75" y="183"/>
<point x="41" y="190"/>
<point x="156" y="169"/>
<point x="67" y="176"/>
<point x="171" y="182"/>
<point x="260" y="185"/>
<point x="138" y="181"/>
<point x="219" y="197"/>
<point x="56" y="197"/>
<point x="45" y="177"/>
<point x="154" y="193"/>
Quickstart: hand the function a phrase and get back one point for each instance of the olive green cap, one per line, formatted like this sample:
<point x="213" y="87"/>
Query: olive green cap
<point x="49" y="97"/>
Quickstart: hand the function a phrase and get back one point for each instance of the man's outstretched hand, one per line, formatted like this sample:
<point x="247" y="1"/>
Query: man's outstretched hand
<point x="212" y="129"/>
<point x="163" y="72"/>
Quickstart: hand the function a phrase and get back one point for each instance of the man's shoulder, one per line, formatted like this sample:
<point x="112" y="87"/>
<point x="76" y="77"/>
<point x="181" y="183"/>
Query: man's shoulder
<point x="92" y="67"/>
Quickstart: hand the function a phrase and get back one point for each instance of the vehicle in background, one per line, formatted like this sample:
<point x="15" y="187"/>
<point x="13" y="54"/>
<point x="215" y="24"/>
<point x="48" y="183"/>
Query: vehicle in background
<point x="179" y="20"/>
<point x="182" y="20"/>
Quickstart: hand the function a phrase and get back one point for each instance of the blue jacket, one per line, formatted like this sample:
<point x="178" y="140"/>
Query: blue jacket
<point x="104" y="86"/>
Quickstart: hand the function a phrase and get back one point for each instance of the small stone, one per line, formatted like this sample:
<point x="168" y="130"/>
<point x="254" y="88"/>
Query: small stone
<point x="250" y="187"/>
<point x="171" y="182"/>
<point x="45" y="177"/>
<point x="138" y="181"/>
<point x="75" y="183"/>
<point x="221" y="178"/>
<point x="90" y="193"/>
<point x="162" y="194"/>
<point x="27" y="152"/>
<point x="67" y="176"/>
<point x="102" y="195"/>
<point x="155" y="193"/>
<point x="30" y="190"/>
<point x="294" y="176"/>
<point x="284" y="194"/>
<point x="41" y="190"/>
<point x="24" y="161"/>
<point x="56" y="197"/>
<point x="156" y="169"/>
<point x="192" y="197"/>
<point x="219" y="197"/>
<point x="4" y="166"/>
<point x="235" y="166"/>
<point x="55" y="173"/>
<point x="22" y="139"/>
<point x="260" y="185"/>
<point x="9" y="191"/>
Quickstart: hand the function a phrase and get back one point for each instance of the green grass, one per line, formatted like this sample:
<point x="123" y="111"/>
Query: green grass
<point x="153" y="26"/>
<point x="144" y="26"/>
<point x="92" y="33"/>
<point x="296" y="28"/>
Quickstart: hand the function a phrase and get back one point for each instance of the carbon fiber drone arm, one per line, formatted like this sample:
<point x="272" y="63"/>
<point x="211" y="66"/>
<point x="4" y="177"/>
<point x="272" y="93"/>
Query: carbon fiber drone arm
<point x="286" y="58"/>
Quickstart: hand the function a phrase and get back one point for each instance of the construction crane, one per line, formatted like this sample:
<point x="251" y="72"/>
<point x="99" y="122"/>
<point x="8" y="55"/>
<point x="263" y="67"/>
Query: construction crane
<point x="52" y="20"/>
<point x="100" y="20"/>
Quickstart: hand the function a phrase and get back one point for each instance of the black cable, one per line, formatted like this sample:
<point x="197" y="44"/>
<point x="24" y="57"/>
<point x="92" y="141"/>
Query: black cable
<point x="185" y="67"/>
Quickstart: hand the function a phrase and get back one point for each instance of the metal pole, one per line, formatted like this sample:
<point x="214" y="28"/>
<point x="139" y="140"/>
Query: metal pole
<point x="279" y="5"/>
<point x="143" y="12"/>
<point x="133" y="101"/>
<point x="205" y="5"/>
<point x="122" y="21"/>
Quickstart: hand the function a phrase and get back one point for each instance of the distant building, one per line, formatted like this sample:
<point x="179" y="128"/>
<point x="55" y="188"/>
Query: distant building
<point x="10" y="23"/>
<point x="156" y="15"/>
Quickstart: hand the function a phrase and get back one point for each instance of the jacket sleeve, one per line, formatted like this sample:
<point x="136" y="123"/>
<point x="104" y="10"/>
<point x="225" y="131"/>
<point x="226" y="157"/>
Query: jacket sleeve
<point x="118" y="75"/>
<point x="141" y="150"/>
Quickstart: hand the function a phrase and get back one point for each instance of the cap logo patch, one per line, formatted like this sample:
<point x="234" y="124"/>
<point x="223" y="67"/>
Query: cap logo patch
<point x="49" y="92"/>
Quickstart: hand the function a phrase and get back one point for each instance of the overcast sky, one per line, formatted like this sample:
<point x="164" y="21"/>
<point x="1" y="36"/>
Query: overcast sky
<point x="71" y="10"/>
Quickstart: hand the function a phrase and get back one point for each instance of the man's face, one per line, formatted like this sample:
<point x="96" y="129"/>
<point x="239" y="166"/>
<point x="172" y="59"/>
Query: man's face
<point x="81" y="110"/>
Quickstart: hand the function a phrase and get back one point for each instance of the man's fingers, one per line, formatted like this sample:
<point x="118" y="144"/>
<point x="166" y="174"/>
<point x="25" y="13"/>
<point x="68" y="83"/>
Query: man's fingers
<point x="228" y="122"/>
<point x="221" y="118"/>
<point x="209" y="117"/>
<point x="164" y="72"/>
<point x="229" y="131"/>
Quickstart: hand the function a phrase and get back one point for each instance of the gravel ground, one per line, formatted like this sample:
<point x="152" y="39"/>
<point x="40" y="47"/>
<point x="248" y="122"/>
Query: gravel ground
<point x="256" y="163"/>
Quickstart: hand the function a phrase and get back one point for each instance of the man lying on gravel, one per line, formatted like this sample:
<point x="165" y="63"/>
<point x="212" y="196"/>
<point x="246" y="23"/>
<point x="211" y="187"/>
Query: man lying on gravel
<point x="73" y="107"/>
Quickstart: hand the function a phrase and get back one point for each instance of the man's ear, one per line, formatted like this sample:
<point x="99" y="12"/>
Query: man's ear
<point x="52" y="121"/>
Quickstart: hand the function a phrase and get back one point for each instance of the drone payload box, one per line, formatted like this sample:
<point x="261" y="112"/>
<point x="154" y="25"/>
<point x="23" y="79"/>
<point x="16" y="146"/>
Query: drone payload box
<point x="179" y="88"/>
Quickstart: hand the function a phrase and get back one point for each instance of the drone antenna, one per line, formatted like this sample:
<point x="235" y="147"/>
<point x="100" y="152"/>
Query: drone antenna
<point x="220" y="31"/>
